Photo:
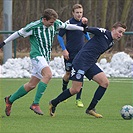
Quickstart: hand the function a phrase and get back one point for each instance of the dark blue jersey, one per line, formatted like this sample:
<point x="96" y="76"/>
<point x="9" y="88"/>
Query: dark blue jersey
<point x="74" y="38"/>
<point x="91" y="51"/>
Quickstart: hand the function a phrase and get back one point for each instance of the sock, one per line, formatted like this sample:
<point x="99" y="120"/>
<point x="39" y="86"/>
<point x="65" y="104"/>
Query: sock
<point x="63" y="96"/>
<point x="78" y="96"/>
<point x="19" y="93"/>
<point x="64" y="85"/>
<point x="97" y="96"/>
<point x="40" y="91"/>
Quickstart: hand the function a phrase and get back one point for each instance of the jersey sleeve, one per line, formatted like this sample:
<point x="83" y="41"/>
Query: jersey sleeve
<point x="61" y="42"/>
<point x="87" y="36"/>
<point x="27" y="30"/>
<point x="22" y="32"/>
<point x="62" y="32"/>
<point x="12" y="37"/>
<point x="96" y="30"/>
<point x="61" y="25"/>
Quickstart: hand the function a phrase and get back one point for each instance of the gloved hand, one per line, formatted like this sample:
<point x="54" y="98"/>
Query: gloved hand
<point x="86" y="28"/>
<point x="2" y="44"/>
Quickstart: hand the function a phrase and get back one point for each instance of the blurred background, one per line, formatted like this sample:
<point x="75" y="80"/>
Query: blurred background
<point x="101" y="13"/>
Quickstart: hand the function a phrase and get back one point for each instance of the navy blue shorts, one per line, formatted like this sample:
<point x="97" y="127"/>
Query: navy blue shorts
<point x="78" y="75"/>
<point x="68" y="65"/>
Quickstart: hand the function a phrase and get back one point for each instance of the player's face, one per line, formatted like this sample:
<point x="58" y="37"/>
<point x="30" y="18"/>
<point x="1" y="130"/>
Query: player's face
<point x="117" y="33"/>
<point x="78" y="13"/>
<point x="49" y="22"/>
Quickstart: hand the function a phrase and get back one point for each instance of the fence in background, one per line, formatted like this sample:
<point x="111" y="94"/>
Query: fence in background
<point x="15" y="43"/>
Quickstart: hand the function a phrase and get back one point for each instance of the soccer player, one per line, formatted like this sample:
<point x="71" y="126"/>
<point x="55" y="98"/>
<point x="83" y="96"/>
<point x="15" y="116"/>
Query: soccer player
<point x="74" y="42"/>
<point x="41" y="34"/>
<point x="85" y="64"/>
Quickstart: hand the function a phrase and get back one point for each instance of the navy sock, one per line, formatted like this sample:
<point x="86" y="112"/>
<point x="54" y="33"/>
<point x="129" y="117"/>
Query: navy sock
<point x="64" y="85"/>
<point x="97" y="96"/>
<point x="63" y="96"/>
<point x="78" y="96"/>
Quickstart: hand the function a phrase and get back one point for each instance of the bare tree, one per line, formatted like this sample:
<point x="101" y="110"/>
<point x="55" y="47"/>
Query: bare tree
<point x="101" y="13"/>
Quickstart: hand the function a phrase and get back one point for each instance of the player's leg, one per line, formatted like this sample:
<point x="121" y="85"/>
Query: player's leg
<point x="79" y="102"/>
<point x="103" y="83"/>
<point x="101" y="79"/>
<point x="23" y="90"/>
<point x="45" y="75"/>
<point x="68" y="67"/>
<point x="65" y="80"/>
<point x="76" y="86"/>
<point x="77" y="79"/>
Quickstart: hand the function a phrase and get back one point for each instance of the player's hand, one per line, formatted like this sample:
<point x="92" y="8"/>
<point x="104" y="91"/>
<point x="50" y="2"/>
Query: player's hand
<point x="65" y="54"/>
<point x="2" y="44"/>
<point x="84" y="20"/>
<point x="84" y="24"/>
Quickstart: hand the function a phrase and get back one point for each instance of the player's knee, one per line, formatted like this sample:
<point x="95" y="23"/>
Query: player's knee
<point x="74" y="90"/>
<point x="104" y="83"/>
<point x="47" y="76"/>
<point x="77" y="90"/>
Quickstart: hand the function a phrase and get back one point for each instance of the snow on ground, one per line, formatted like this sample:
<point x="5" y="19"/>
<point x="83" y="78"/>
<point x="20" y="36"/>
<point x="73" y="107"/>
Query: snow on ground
<point x="121" y="65"/>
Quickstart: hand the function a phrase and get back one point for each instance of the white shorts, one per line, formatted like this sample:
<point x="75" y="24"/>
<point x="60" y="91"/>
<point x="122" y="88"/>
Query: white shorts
<point x="38" y="64"/>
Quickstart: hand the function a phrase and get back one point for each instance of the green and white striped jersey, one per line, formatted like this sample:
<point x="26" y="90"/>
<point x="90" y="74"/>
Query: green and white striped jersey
<point x="41" y="37"/>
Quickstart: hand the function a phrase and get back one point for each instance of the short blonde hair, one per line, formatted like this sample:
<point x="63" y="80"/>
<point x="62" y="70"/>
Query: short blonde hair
<point x="76" y="6"/>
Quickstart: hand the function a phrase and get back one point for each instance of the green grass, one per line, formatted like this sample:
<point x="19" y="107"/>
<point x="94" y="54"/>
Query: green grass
<point x="69" y="118"/>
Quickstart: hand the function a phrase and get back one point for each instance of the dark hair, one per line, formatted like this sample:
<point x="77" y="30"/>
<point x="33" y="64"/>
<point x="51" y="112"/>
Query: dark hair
<point x="49" y="14"/>
<point x="76" y="6"/>
<point x="119" y="24"/>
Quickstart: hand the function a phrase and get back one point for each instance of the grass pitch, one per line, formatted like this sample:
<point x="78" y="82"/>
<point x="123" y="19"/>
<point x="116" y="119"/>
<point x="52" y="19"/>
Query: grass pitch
<point x="69" y="118"/>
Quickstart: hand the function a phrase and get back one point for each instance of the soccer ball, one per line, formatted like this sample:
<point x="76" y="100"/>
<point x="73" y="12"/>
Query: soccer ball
<point x="127" y="112"/>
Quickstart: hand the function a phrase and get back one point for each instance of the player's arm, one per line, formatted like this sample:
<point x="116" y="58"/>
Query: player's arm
<point x="94" y="30"/>
<point x="70" y="26"/>
<point x="10" y="38"/>
<point x="61" y="25"/>
<point x="15" y="35"/>
<point x="61" y="42"/>
<point x="87" y="36"/>
<point x="84" y="22"/>
<point x="74" y="27"/>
